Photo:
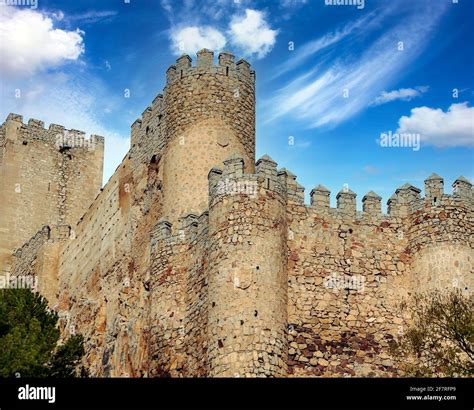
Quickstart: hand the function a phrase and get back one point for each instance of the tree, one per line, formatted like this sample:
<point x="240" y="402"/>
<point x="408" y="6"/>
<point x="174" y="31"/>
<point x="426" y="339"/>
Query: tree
<point x="440" y="339"/>
<point x="29" y="338"/>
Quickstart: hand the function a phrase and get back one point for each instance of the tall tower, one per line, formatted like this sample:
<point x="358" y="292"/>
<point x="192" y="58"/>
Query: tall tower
<point x="209" y="114"/>
<point x="47" y="177"/>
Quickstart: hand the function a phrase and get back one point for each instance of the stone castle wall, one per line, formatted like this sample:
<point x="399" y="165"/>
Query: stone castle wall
<point x="196" y="261"/>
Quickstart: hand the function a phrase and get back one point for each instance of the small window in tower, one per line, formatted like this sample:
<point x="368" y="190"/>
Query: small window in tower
<point x="227" y="71"/>
<point x="435" y="201"/>
<point x="181" y="73"/>
<point x="147" y="129"/>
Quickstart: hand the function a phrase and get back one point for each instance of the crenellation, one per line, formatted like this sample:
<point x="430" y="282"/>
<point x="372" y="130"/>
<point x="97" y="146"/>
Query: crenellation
<point x="320" y="197"/>
<point x="346" y="202"/>
<point x="462" y="188"/>
<point x="55" y="128"/>
<point x="183" y="63"/>
<point x="226" y="59"/>
<point x="170" y="74"/>
<point x="35" y="123"/>
<point x="205" y="58"/>
<point x="146" y="115"/>
<point x="407" y="197"/>
<point x="243" y="69"/>
<point x="372" y="203"/>
<point x="233" y="167"/>
<point x="15" y="117"/>
<point x="157" y="103"/>
<point x="434" y="189"/>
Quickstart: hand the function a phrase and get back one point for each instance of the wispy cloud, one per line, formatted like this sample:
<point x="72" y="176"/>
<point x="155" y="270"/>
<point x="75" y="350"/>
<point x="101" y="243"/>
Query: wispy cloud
<point x="404" y="94"/>
<point x="92" y="16"/>
<point x="349" y="82"/>
<point x="308" y="50"/>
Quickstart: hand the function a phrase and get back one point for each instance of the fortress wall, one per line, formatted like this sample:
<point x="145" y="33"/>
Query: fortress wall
<point x="341" y="328"/>
<point x="179" y="298"/>
<point x="93" y="268"/>
<point x="105" y="273"/>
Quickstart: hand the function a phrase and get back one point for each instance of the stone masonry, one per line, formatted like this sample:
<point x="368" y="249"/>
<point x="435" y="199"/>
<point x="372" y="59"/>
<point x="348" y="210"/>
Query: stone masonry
<point x="195" y="260"/>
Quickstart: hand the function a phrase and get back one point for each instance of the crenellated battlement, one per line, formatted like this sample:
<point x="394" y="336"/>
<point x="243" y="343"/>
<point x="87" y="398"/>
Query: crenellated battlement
<point x="226" y="66"/>
<point x="232" y="179"/>
<point x="57" y="136"/>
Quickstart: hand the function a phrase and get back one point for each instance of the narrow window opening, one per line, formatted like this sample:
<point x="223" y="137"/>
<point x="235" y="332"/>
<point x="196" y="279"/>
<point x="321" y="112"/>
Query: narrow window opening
<point x="227" y="71"/>
<point x="147" y="130"/>
<point x="435" y="200"/>
<point x="181" y="73"/>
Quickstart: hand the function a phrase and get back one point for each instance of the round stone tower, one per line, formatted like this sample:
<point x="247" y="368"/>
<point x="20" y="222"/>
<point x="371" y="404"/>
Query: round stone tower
<point x="209" y="113"/>
<point x="440" y="237"/>
<point x="248" y="284"/>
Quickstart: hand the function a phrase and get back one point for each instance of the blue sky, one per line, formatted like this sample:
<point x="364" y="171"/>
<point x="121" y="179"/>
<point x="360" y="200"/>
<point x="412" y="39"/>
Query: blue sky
<point x="331" y="79"/>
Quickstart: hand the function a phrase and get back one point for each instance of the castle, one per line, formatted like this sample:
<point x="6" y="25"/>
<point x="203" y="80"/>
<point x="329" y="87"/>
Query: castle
<point x="195" y="260"/>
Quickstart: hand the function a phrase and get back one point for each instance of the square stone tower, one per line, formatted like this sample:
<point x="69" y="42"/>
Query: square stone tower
<point x="47" y="176"/>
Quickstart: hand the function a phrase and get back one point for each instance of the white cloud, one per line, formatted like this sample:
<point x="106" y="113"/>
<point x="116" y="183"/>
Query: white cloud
<point x="189" y="40"/>
<point x="442" y="129"/>
<point x="252" y="34"/>
<point x="404" y="94"/>
<point x="29" y="42"/>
